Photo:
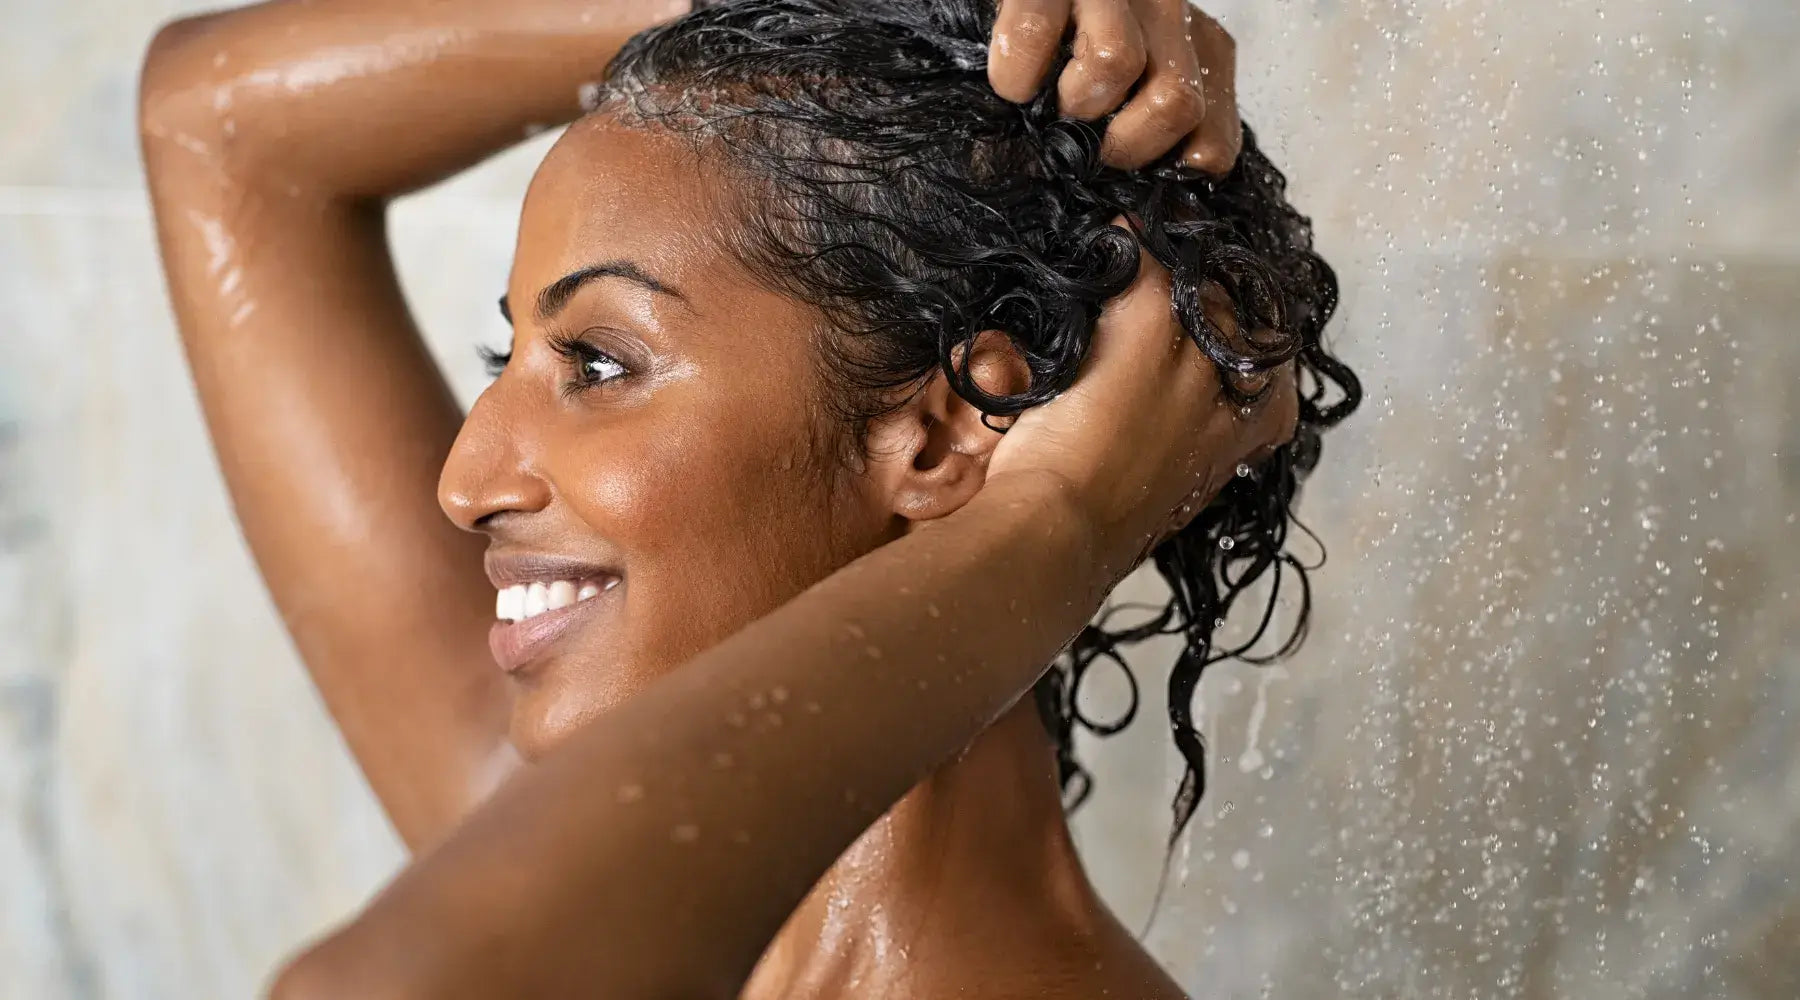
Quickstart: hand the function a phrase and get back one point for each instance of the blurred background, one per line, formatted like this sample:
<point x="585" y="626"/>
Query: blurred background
<point x="1539" y="740"/>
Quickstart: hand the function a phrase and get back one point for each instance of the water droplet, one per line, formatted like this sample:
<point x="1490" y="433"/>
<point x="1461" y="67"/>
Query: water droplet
<point x="932" y="610"/>
<point x="685" y="833"/>
<point x="1243" y="469"/>
<point x="778" y="694"/>
<point x="1240" y="860"/>
<point x="630" y="793"/>
<point x="722" y="760"/>
<point x="873" y="651"/>
<point x="1226" y="542"/>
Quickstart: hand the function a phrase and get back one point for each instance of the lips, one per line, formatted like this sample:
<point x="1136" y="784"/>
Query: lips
<point x="542" y="597"/>
<point x="517" y="644"/>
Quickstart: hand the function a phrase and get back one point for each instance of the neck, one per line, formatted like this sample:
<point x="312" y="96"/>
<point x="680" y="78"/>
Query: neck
<point x="978" y="850"/>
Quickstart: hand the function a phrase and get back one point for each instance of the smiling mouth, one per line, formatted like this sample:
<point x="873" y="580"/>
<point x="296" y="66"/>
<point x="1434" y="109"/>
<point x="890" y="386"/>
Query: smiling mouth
<point x="524" y="601"/>
<point x="530" y="617"/>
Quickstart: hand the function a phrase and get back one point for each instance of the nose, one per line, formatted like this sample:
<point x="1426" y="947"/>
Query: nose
<point x="490" y="470"/>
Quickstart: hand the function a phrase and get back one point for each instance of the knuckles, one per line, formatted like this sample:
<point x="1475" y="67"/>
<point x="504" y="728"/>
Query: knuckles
<point x="1176" y="105"/>
<point x="1030" y="32"/>
<point x="1114" y="63"/>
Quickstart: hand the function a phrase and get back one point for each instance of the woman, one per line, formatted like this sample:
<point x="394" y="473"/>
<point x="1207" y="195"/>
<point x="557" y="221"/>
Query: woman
<point x="767" y="299"/>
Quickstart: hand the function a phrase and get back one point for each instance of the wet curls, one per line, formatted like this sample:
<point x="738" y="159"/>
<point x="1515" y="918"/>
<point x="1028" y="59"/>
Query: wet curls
<point x="896" y="191"/>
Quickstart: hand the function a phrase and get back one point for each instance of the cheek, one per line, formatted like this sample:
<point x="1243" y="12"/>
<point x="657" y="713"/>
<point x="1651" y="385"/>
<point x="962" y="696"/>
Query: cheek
<point x="720" y="521"/>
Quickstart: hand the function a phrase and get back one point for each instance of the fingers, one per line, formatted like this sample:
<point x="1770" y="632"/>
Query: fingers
<point x="1169" y="103"/>
<point x="1026" y="36"/>
<point x="1174" y="65"/>
<point x="1272" y="423"/>
<point x="1273" y="420"/>
<point x="1215" y="145"/>
<point x="1106" y="59"/>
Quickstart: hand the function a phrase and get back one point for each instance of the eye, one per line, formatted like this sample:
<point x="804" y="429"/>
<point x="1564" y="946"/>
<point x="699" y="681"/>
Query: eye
<point x="588" y="365"/>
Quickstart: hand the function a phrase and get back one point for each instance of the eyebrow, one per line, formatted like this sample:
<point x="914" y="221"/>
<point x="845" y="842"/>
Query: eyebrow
<point x="557" y="294"/>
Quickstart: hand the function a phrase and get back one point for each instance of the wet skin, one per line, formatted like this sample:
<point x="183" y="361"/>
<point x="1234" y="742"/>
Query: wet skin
<point x="690" y="458"/>
<point x="697" y="477"/>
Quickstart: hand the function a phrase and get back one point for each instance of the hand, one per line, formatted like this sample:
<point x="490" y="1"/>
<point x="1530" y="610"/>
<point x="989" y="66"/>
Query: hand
<point x="1182" y="63"/>
<point x="1144" y="437"/>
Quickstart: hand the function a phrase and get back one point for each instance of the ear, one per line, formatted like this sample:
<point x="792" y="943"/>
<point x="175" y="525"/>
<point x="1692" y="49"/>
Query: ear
<point x="928" y="457"/>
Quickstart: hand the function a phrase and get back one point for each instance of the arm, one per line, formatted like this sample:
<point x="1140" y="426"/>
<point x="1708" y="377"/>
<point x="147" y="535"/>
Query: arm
<point x="657" y="853"/>
<point x="273" y="137"/>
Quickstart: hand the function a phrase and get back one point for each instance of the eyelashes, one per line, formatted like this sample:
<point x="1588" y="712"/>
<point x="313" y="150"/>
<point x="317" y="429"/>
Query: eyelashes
<point x="494" y="361"/>
<point x="588" y="366"/>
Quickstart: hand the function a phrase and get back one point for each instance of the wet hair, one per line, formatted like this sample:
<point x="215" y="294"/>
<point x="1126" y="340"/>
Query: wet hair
<point x="891" y="187"/>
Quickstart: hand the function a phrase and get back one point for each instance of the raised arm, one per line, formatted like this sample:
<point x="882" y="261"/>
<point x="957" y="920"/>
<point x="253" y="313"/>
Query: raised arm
<point x="631" y="864"/>
<point x="273" y="137"/>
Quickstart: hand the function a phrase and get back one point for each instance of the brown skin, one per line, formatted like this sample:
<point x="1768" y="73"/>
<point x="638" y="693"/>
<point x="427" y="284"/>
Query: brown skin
<point x="699" y="469"/>
<point x="274" y="136"/>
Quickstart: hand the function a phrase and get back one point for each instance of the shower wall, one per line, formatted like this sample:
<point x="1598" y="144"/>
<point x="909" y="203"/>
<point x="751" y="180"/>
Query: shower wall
<point x="1536" y="742"/>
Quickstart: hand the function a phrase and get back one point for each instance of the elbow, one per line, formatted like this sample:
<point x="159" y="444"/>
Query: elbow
<point x="181" y="96"/>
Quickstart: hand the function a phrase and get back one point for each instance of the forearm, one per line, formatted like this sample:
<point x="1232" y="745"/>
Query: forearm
<point x="272" y="136"/>
<point x="659" y="851"/>
<point x="373" y="98"/>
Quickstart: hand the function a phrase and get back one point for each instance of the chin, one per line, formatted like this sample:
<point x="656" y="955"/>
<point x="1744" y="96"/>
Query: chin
<point x="546" y="714"/>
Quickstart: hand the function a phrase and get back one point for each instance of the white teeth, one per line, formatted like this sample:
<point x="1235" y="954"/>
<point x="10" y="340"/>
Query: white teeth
<point x="521" y="601"/>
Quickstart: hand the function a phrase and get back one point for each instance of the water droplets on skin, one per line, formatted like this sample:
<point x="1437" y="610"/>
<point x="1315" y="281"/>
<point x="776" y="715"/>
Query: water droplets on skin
<point x="1240" y="859"/>
<point x="630" y="793"/>
<point x="685" y="833"/>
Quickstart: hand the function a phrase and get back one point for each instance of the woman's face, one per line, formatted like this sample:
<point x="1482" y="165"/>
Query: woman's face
<point x="655" y="442"/>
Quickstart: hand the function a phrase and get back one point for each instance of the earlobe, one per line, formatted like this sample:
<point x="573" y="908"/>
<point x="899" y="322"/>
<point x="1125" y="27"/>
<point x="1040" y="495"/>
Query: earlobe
<point x="930" y="457"/>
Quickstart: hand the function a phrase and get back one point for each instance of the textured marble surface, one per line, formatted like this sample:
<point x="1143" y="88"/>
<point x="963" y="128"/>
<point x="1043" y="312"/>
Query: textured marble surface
<point x="1537" y="744"/>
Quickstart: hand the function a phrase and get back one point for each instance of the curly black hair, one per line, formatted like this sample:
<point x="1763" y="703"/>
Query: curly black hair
<point x="897" y="192"/>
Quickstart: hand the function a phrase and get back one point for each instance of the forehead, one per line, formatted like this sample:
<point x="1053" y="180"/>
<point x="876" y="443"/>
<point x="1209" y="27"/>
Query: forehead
<point x="610" y="192"/>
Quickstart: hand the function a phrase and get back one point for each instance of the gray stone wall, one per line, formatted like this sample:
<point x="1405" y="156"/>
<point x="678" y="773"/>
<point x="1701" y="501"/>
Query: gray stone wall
<point x="1536" y="743"/>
